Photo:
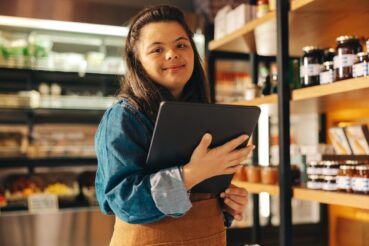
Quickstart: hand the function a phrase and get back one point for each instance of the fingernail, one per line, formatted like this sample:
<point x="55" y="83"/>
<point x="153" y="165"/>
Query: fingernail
<point x="245" y="137"/>
<point x="222" y="195"/>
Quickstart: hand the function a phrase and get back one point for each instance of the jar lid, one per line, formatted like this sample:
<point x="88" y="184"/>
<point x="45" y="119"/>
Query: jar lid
<point x="347" y="167"/>
<point x="362" y="167"/>
<point x="329" y="177"/>
<point x="330" y="50"/>
<point x="351" y="162"/>
<point x="361" y="54"/>
<point x="314" y="177"/>
<point x="307" y="49"/>
<point x="328" y="63"/>
<point x="330" y="163"/>
<point x="346" y="38"/>
<point x="313" y="163"/>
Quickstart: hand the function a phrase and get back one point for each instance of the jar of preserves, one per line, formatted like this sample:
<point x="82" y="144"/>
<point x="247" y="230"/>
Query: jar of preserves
<point x="262" y="8"/>
<point x="310" y="66"/>
<point x="346" y="50"/>
<point x="327" y="74"/>
<point x="344" y="177"/>
<point x="330" y="167"/>
<point x="314" y="182"/>
<point x="361" y="65"/>
<point x="329" y="54"/>
<point x="360" y="179"/>
<point x="329" y="183"/>
<point x="367" y="46"/>
<point x="314" y="168"/>
<point x="269" y="175"/>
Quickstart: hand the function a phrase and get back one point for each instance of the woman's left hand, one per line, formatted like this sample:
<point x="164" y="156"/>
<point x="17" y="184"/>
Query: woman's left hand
<point x="235" y="201"/>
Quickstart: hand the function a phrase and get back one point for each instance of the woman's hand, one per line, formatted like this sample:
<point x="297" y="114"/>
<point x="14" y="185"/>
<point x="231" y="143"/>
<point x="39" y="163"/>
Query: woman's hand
<point x="206" y="163"/>
<point x="235" y="201"/>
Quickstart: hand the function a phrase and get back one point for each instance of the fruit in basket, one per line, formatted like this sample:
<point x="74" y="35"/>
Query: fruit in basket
<point x="2" y="200"/>
<point x="22" y="186"/>
<point x="58" y="189"/>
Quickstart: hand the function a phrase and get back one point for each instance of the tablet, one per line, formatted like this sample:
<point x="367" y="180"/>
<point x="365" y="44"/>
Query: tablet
<point x="180" y="126"/>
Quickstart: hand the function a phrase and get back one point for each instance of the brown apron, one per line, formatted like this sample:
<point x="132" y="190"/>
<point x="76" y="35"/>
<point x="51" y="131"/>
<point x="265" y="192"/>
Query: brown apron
<point x="202" y="225"/>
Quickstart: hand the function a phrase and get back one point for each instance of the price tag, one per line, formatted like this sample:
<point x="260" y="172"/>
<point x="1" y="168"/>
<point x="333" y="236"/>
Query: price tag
<point x="42" y="203"/>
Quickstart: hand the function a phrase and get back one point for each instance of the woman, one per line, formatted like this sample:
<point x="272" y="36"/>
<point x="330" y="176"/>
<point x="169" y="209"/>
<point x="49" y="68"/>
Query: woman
<point x="158" y="208"/>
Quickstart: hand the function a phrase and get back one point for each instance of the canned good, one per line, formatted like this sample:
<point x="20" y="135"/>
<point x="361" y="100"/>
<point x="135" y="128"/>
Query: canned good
<point x="330" y="167"/>
<point x="310" y="66"/>
<point x="327" y="74"/>
<point x="314" y="168"/>
<point x="344" y="177"/>
<point x="329" y="183"/>
<point x="315" y="182"/>
<point x="360" y="180"/>
<point x="361" y="65"/>
<point x="346" y="50"/>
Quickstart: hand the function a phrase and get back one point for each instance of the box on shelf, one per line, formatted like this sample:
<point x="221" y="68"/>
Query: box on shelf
<point x="358" y="137"/>
<point x="266" y="38"/>
<point x="13" y="140"/>
<point x="220" y="22"/>
<point x="340" y="141"/>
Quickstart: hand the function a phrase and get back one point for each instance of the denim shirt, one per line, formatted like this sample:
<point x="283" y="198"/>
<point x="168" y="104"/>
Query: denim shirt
<point x="122" y="188"/>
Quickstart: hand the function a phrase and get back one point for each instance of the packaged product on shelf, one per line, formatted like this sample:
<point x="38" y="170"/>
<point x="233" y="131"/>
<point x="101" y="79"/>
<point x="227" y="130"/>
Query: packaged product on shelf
<point x="361" y="65"/>
<point x="314" y="168"/>
<point x="358" y="137"/>
<point x="87" y="185"/>
<point x="13" y="140"/>
<point x="3" y="202"/>
<point x="339" y="141"/>
<point x="310" y="66"/>
<point x="239" y="16"/>
<point x="269" y="175"/>
<point x="262" y="8"/>
<point x="346" y="50"/>
<point x="327" y="75"/>
<point x="360" y="179"/>
<point x="344" y="177"/>
<point x="329" y="54"/>
<point x="220" y="22"/>
<point x="330" y="167"/>
<point x="315" y="182"/>
<point x="253" y="174"/>
<point x="329" y="183"/>
<point x="19" y="186"/>
<point x="62" y="184"/>
<point x="367" y="46"/>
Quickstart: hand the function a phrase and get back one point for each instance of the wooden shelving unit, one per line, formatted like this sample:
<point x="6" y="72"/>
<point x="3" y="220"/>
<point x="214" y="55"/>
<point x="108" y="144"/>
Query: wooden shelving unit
<point x="351" y="93"/>
<point x="334" y="198"/>
<point x="309" y="19"/>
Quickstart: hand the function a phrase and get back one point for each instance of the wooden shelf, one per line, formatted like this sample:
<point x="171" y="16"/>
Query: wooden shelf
<point x="301" y="193"/>
<point x="257" y="187"/>
<point x="334" y="198"/>
<point x="351" y="93"/>
<point x="338" y="18"/>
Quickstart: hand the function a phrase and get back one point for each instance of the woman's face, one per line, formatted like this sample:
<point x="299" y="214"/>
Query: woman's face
<point x="165" y="52"/>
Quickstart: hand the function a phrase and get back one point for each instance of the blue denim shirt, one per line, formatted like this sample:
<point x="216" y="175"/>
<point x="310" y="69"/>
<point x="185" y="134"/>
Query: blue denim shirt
<point x="122" y="188"/>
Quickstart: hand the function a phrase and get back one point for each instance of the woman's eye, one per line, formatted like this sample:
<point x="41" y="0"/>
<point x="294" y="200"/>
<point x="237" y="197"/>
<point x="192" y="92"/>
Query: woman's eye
<point x="181" y="45"/>
<point x="157" y="50"/>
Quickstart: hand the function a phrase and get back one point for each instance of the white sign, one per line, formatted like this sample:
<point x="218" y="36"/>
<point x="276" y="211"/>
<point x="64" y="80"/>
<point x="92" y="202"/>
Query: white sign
<point x="43" y="203"/>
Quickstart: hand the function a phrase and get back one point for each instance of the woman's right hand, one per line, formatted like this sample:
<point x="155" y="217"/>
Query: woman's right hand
<point x="206" y="163"/>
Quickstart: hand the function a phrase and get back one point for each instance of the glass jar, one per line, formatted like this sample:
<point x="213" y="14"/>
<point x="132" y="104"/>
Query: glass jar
<point x="327" y="74"/>
<point x="367" y="46"/>
<point x="269" y="175"/>
<point x="330" y="167"/>
<point x="262" y="8"/>
<point x="310" y="66"/>
<point x="314" y="168"/>
<point x="344" y="177"/>
<point x="346" y="50"/>
<point x="329" y="183"/>
<point x="360" y="180"/>
<point x="329" y="54"/>
<point x="361" y="65"/>
<point x="314" y="182"/>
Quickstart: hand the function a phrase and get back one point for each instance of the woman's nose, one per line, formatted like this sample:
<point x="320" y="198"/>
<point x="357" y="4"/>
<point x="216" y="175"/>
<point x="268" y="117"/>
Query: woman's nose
<point x="171" y="54"/>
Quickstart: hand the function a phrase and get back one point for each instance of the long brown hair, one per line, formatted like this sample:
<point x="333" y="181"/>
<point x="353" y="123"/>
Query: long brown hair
<point x="136" y="85"/>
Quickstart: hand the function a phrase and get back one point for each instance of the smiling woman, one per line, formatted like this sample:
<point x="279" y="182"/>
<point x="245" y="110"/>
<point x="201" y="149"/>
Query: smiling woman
<point x="155" y="208"/>
<point x="166" y="54"/>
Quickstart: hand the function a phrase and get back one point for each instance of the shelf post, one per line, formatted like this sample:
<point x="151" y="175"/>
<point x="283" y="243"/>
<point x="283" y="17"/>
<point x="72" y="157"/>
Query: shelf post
<point x="256" y="232"/>
<point x="284" y="95"/>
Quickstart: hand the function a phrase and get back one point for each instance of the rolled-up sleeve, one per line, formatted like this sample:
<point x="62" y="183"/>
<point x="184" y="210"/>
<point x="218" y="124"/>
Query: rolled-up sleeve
<point x="122" y="187"/>
<point x="169" y="193"/>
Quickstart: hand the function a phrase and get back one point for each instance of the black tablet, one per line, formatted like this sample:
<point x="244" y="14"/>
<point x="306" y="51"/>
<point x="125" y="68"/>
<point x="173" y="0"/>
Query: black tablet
<point x="180" y="126"/>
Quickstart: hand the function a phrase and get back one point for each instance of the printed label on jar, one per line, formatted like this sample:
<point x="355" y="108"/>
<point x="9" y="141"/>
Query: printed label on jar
<point x="310" y="70"/>
<point x="343" y="61"/>
<point x="314" y="185"/>
<point x="313" y="170"/>
<point x="367" y="45"/>
<point x="330" y="171"/>
<point x="329" y="186"/>
<point x="326" y="77"/>
<point x="360" y="69"/>
<point x="343" y="182"/>
<point x="360" y="184"/>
